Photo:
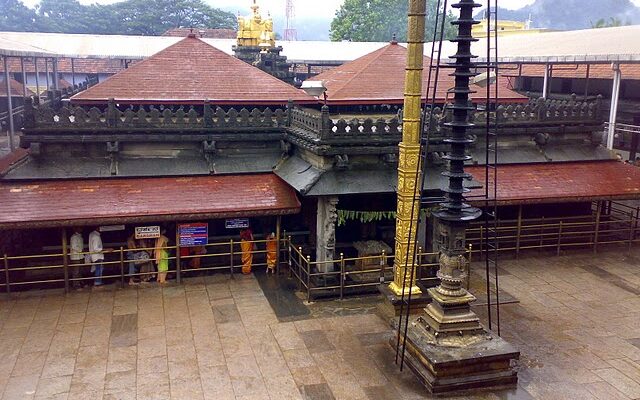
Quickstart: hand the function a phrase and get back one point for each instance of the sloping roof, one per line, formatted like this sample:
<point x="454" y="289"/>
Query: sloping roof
<point x="563" y="182"/>
<point x="190" y="72"/>
<point x="596" y="71"/>
<point x="17" y="90"/>
<point x="98" y="201"/>
<point x="378" y="77"/>
<point x="204" y="33"/>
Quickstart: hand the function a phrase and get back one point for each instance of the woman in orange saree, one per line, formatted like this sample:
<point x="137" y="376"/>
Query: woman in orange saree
<point x="246" y="246"/>
<point x="272" y="253"/>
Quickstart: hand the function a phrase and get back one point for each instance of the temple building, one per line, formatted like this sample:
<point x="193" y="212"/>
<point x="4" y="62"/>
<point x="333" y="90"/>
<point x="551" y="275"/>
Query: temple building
<point x="195" y="134"/>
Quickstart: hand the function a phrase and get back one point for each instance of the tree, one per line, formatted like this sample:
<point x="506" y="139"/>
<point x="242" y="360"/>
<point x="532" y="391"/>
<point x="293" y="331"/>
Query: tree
<point x="612" y="22"/>
<point x="379" y="20"/>
<point x="17" y="17"/>
<point x="134" y="17"/>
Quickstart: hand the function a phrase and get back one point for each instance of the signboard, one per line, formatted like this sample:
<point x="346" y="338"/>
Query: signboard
<point x="196" y="234"/>
<point x="111" y="228"/>
<point x="147" y="232"/>
<point x="236" y="223"/>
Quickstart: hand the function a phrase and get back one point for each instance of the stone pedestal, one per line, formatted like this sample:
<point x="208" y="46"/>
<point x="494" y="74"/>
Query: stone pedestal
<point x="389" y="308"/>
<point x="486" y="363"/>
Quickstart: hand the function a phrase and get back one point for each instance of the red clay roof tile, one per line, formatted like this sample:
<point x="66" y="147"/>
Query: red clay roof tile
<point x="378" y="77"/>
<point x="94" y="201"/>
<point x="190" y="72"/>
<point x="562" y="182"/>
<point x="17" y="90"/>
<point x="596" y="71"/>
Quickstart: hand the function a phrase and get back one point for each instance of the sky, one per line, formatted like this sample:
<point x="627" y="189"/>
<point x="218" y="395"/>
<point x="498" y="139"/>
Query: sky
<point x="324" y="9"/>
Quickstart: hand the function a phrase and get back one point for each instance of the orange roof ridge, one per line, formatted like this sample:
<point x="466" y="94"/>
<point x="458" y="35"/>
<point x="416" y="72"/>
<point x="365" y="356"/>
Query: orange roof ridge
<point x="190" y="72"/>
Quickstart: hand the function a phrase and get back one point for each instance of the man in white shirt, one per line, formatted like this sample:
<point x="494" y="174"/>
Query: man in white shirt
<point x="76" y="257"/>
<point x="96" y="256"/>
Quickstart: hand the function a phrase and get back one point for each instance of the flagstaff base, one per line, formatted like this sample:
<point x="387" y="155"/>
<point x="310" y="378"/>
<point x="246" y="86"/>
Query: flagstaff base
<point x="485" y="364"/>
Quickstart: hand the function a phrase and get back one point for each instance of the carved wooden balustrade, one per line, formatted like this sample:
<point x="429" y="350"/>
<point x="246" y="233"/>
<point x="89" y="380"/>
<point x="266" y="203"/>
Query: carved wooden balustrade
<point x="76" y="118"/>
<point x="305" y="123"/>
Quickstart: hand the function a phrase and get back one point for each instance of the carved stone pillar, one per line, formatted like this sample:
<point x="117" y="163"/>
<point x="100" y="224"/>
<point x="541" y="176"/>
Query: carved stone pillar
<point x="327" y="216"/>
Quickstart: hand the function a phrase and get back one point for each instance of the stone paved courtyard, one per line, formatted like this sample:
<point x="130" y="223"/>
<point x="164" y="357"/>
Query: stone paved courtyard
<point x="577" y="324"/>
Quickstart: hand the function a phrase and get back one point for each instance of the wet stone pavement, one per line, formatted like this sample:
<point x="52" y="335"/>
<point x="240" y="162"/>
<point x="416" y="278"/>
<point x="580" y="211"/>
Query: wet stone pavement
<point x="577" y="323"/>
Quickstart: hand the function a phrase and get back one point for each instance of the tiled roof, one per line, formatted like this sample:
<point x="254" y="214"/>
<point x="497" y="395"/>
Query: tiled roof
<point x="94" y="201"/>
<point x="80" y="65"/>
<point x="17" y="89"/>
<point x="562" y="182"/>
<point x="378" y="77"/>
<point x="205" y="33"/>
<point x="190" y="72"/>
<point x="8" y="161"/>
<point x="596" y="71"/>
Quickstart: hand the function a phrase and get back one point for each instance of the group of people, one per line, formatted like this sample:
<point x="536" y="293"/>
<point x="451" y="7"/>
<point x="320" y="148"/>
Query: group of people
<point x="140" y="253"/>
<point x="78" y="258"/>
<point x="149" y="257"/>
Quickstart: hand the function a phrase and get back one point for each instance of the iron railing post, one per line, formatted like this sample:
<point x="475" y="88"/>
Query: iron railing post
<point x="231" y="256"/>
<point x="341" y="276"/>
<point x="6" y="274"/>
<point x="383" y="262"/>
<point x="122" y="267"/>
<point x="299" y="267"/>
<point x="559" y="239"/>
<point x="178" y="259"/>
<point x="308" y="278"/>
<point x="630" y="231"/>
<point x="596" y="234"/>
<point x="65" y="259"/>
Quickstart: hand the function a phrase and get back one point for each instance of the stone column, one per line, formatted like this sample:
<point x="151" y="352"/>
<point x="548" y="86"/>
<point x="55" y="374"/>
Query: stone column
<point x="326" y="219"/>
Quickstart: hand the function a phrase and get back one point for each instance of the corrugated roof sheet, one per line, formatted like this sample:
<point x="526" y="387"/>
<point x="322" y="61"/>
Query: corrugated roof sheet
<point x="68" y="202"/>
<point x="378" y="77"/>
<point x="597" y="71"/>
<point x="190" y="72"/>
<point x="563" y="182"/>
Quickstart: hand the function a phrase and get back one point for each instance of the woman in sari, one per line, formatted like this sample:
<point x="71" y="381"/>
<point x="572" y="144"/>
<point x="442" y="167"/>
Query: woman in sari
<point x="272" y="253"/>
<point x="161" y="256"/>
<point x="246" y="246"/>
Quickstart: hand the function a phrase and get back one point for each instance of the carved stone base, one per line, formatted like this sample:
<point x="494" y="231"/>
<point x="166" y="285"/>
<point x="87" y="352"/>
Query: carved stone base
<point x="488" y="363"/>
<point x="390" y="307"/>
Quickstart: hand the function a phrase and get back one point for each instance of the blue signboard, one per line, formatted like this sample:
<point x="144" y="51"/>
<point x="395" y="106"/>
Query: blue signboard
<point x="196" y="234"/>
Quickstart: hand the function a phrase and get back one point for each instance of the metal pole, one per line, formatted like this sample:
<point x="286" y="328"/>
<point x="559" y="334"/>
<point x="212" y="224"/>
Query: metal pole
<point x="9" y="103"/>
<point x="54" y="67"/>
<point x="559" y="239"/>
<point x="308" y="259"/>
<point x="613" y="112"/>
<point x="35" y="66"/>
<point x="630" y="231"/>
<point x="278" y="227"/>
<point x="65" y="260"/>
<point x="519" y="230"/>
<point x="545" y="82"/>
<point x="341" y="276"/>
<point x="73" y="73"/>
<point x="6" y="274"/>
<point x="231" y="256"/>
<point x="586" y="83"/>
<point x="24" y="78"/>
<point x="122" y="267"/>
<point x="178" y="260"/>
<point x="46" y="72"/>
<point x="597" y="228"/>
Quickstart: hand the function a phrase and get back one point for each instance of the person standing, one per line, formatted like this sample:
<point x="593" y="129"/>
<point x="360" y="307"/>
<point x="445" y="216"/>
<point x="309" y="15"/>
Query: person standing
<point x="246" y="247"/>
<point x="161" y="255"/>
<point x="272" y="253"/>
<point x="76" y="258"/>
<point x="96" y="255"/>
<point x="132" y="256"/>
